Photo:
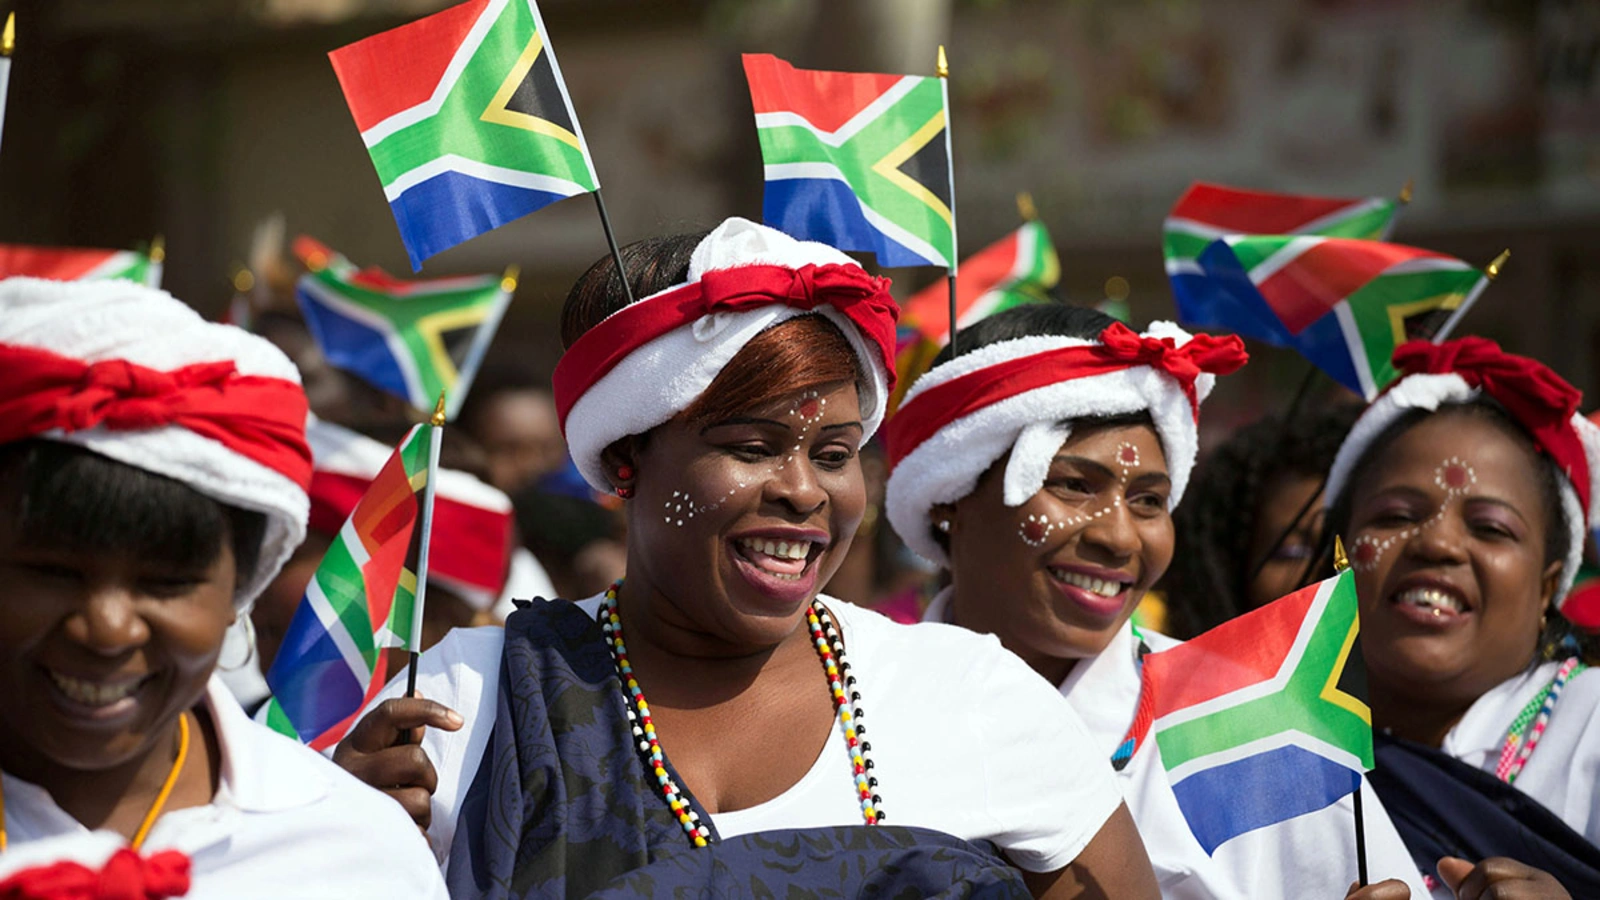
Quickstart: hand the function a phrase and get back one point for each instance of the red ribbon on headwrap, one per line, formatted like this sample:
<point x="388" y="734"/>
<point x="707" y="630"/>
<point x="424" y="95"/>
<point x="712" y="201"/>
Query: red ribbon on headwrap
<point x="1120" y="348"/>
<point x="861" y="298"/>
<point x="260" y="418"/>
<point x="125" y="876"/>
<point x="1539" y="399"/>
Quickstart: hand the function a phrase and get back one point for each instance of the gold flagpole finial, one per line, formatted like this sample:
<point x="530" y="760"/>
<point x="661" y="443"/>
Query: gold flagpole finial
<point x="158" y="249"/>
<point x="244" y="280"/>
<point x="1340" y="561"/>
<point x="1405" y="190"/>
<point x="944" y="63"/>
<point x="8" y="37"/>
<point x="508" y="281"/>
<point x="438" y="412"/>
<point x="1492" y="270"/>
<point x="1025" y="207"/>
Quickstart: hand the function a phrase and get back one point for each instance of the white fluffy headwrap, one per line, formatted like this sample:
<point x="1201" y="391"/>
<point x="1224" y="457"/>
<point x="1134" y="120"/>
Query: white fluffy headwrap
<point x="1032" y="426"/>
<point x="107" y="321"/>
<point x="1431" y="391"/>
<point x="664" y="376"/>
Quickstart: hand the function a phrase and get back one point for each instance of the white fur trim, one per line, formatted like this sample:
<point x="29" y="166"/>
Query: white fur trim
<point x="946" y="466"/>
<point x="101" y="320"/>
<point x="665" y="376"/>
<point x="1429" y="392"/>
<point x="338" y="450"/>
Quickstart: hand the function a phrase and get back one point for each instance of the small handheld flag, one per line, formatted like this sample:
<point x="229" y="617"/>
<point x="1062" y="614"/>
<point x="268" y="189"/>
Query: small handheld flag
<point x="858" y="161"/>
<point x="1264" y="717"/>
<point x="413" y="339"/>
<point x="467" y="119"/>
<point x="362" y="600"/>
<point x="1344" y="304"/>
<point x="8" y="43"/>
<point x="81" y="264"/>
<point x="1020" y="268"/>
<point x="1207" y="212"/>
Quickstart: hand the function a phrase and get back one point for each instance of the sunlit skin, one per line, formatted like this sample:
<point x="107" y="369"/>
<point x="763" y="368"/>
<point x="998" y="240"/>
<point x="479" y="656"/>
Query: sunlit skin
<point x="1284" y="564"/>
<point x="1482" y="544"/>
<point x="112" y="622"/>
<point x="1102" y="518"/>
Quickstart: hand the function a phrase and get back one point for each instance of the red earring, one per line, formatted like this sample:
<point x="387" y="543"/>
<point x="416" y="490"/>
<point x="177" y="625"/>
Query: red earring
<point x="625" y="473"/>
<point x="625" y="492"/>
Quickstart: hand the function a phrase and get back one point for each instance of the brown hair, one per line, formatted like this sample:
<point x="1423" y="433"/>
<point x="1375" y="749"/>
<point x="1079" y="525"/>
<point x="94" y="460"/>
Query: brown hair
<point x="799" y="354"/>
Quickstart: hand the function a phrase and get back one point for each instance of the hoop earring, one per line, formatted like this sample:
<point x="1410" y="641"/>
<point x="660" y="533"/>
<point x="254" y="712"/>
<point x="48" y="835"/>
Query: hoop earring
<point x="249" y="647"/>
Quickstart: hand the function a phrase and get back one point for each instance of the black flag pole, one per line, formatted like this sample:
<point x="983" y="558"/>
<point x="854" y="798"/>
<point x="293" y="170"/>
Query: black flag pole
<point x="1341" y="563"/>
<point x="611" y="239"/>
<point x="944" y="84"/>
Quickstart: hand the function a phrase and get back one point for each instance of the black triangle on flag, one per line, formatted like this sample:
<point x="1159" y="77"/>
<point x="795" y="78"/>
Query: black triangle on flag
<point x="1423" y="325"/>
<point x="1353" y="679"/>
<point x="531" y="98"/>
<point x="930" y="167"/>
<point x="458" y="342"/>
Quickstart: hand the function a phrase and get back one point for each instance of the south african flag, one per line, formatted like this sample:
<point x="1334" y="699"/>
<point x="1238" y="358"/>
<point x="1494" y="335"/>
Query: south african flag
<point x="467" y="120"/>
<point x="1264" y="717"/>
<point x="858" y="161"/>
<point x="81" y="264"/>
<point x="1019" y="268"/>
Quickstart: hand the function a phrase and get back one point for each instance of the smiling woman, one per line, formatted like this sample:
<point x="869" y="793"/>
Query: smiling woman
<point x="1465" y="495"/>
<point x="152" y="480"/>
<point x="727" y="408"/>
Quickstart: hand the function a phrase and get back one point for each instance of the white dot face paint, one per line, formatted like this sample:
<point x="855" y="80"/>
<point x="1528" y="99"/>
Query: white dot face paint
<point x="1455" y="477"/>
<point x="805" y="414"/>
<point x="1035" y="530"/>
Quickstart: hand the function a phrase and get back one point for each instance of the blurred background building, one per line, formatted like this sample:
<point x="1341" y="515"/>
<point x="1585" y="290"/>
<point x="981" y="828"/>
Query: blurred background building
<point x="202" y="119"/>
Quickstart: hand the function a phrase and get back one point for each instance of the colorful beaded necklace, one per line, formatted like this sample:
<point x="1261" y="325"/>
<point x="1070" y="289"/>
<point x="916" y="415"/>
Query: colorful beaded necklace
<point x="1530" y="724"/>
<point x="847" y="706"/>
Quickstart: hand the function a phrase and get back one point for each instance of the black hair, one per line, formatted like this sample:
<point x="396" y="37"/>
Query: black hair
<point x="1051" y="319"/>
<point x="1558" y="637"/>
<point x="1209" y="580"/>
<point x="62" y="495"/>
<point x="653" y="265"/>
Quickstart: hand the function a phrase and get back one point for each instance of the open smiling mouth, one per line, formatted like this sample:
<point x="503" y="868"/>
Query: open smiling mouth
<point x="1431" y="603"/>
<point x="783" y="560"/>
<point x="96" y="695"/>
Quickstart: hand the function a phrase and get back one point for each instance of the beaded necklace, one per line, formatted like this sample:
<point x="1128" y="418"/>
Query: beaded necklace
<point x="1530" y="724"/>
<point x="1143" y="711"/>
<point x="847" y="706"/>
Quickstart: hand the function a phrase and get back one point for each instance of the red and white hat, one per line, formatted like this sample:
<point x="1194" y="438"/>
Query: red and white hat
<point x="1020" y="397"/>
<point x="135" y="375"/>
<point x="651" y="360"/>
<point x="1541" y="401"/>
<point x="472" y="522"/>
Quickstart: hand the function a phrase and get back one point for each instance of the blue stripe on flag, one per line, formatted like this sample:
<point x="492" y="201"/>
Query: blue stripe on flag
<point x="826" y="210"/>
<point x="449" y="208"/>
<point x="1324" y="344"/>
<point x="1224" y="297"/>
<point x="310" y="679"/>
<point x="1226" y="801"/>
<point x="353" y="346"/>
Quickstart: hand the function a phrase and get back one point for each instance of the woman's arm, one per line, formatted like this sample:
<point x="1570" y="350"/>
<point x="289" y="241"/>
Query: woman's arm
<point x="1113" y="865"/>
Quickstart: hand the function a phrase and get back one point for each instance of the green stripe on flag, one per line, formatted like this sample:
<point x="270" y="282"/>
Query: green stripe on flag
<point x="278" y="720"/>
<point x="346" y="590"/>
<point x="1305" y="704"/>
<point x="458" y="126"/>
<point x="1392" y="309"/>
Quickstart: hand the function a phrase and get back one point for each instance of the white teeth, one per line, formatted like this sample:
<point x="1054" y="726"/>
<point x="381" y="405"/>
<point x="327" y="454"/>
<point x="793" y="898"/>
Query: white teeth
<point x="778" y="549"/>
<point x="91" y="693"/>
<point x="1431" y="598"/>
<point x="1094" y="585"/>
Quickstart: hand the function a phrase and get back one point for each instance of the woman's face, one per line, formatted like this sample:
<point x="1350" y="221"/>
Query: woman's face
<point x="1057" y="576"/>
<point x="1284" y="564"/>
<point x="1447" y="539"/>
<point x="739" y="523"/>
<point x="100" y="654"/>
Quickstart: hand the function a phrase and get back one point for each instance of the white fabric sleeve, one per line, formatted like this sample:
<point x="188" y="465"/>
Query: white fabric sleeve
<point x="1046" y="789"/>
<point x="462" y="672"/>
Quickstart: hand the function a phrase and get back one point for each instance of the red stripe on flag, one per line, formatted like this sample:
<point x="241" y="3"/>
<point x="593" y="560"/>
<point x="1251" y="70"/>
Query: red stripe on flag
<point x="59" y="263"/>
<point x="1254" y="212"/>
<point x="388" y="506"/>
<point x="1236" y="654"/>
<point x="400" y="68"/>
<point x="1307" y="288"/>
<point x="929" y="309"/>
<point x="825" y="99"/>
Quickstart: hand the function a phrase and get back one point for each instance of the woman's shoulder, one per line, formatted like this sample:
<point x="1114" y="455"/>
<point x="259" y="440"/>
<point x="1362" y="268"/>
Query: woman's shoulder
<point x="926" y="641"/>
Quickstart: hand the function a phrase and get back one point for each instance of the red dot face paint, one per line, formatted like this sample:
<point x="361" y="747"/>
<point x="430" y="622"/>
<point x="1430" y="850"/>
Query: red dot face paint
<point x="1455" y="477"/>
<point x="810" y="409"/>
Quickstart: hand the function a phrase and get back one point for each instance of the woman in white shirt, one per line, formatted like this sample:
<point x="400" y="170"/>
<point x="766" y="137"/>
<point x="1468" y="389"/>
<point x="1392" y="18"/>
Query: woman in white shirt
<point x="1465" y="494"/>
<point x="726" y="408"/>
<point x="152" y="480"/>
<point x="1040" y="466"/>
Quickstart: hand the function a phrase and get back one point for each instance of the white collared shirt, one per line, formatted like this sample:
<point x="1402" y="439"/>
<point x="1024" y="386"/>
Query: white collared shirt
<point x="962" y="735"/>
<point x="1309" y="856"/>
<point x="1564" y="769"/>
<point x="285" y="822"/>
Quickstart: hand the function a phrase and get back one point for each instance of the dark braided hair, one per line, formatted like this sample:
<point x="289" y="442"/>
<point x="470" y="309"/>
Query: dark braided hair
<point x="1208" y="582"/>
